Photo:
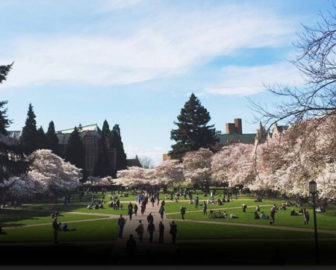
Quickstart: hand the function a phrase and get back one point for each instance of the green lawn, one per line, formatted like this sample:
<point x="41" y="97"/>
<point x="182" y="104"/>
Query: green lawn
<point x="104" y="230"/>
<point x="46" y="219"/>
<point x="282" y="218"/>
<point x="189" y="230"/>
<point x="175" y="207"/>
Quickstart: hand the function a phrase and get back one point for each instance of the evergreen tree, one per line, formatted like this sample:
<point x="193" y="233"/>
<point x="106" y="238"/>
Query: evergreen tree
<point x="103" y="165"/>
<point x="106" y="129"/>
<point x="116" y="142"/>
<point x="192" y="132"/>
<point x="52" y="139"/>
<point x="41" y="139"/>
<point x="4" y="71"/>
<point x="12" y="160"/>
<point x="75" y="150"/>
<point x="28" y="138"/>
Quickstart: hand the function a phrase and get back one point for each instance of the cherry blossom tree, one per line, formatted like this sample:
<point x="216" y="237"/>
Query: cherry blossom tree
<point x="197" y="167"/>
<point x="51" y="174"/>
<point x="170" y="172"/>
<point x="233" y="165"/>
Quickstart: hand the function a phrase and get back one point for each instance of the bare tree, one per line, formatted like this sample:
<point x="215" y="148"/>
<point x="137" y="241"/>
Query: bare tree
<point x="146" y="162"/>
<point x="317" y="62"/>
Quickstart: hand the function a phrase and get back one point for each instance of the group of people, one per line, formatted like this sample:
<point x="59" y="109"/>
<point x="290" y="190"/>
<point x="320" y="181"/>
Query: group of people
<point x="96" y="204"/>
<point x="58" y="226"/>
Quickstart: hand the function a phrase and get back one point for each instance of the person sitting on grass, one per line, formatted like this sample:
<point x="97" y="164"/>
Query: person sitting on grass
<point x="283" y="207"/>
<point x="258" y="208"/>
<point x="96" y="206"/>
<point x="64" y="227"/>
<point x="263" y="216"/>
<point x="256" y="215"/>
<point x="293" y="213"/>
<point x="101" y="205"/>
<point x="232" y="216"/>
<point x="90" y="206"/>
<point x="244" y="206"/>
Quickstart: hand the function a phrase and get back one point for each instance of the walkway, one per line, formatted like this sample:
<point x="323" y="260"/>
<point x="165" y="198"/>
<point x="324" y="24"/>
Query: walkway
<point x="145" y="247"/>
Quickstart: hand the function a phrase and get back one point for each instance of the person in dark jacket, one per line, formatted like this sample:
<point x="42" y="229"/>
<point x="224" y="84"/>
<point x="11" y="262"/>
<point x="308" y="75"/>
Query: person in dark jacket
<point x="135" y="209"/>
<point x="131" y="245"/>
<point x="140" y="230"/>
<point x="161" y="232"/>
<point x="151" y="229"/>
<point x="173" y="231"/>
<point x="130" y="210"/>
<point x="56" y="228"/>
<point x="150" y="218"/>
<point x="183" y="211"/>
<point x="161" y="211"/>
<point x="205" y="208"/>
<point x="121" y="224"/>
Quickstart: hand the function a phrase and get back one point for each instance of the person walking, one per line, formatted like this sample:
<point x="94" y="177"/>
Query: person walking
<point x="121" y="224"/>
<point x="173" y="231"/>
<point x="131" y="245"/>
<point x="56" y="228"/>
<point x="151" y="229"/>
<point x="161" y="232"/>
<point x="152" y="201"/>
<point x="150" y="218"/>
<point x="161" y="211"/>
<point x="196" y="201"/>
<point x="183" y="211"/>
<point x="306" y="216"/>
<point x="130" y="210"/>
<point x="140" y="230"/>
<point x="205" y="208"/>
<point x="272" y="215"/>
<point x="135" y="209"/>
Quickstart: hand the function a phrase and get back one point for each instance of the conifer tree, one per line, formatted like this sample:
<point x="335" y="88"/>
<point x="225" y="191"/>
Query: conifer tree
<point x="52" y="139"/>
<point x="75" y="150"/>
<point x="116" y="142"/>
<point x="192" y="132"/>
<point x="41" y="139"/>
<point x="103" y="165"/>
<point x="12" y="159"/>
<point x="28" y="138"/>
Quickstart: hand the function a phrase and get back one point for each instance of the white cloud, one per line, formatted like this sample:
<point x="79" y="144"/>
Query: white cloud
<point x="154" y="153"/>
<point x="240" y="80"/>
<point x="165" y="46"/>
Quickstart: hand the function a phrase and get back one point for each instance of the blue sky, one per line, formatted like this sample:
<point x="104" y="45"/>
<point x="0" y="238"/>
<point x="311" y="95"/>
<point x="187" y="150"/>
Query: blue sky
<point x="135" y="62"/>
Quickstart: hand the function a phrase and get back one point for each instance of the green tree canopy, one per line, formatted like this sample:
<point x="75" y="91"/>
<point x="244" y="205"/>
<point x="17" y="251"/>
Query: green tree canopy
<point x="41" y="139"/>
<point x="103" y="167"/>
<point x="116" y="142"/>
<point x="52" y="139"/>
<point x="75" y="150"/>
<point x="29" y="132"/>
<point x="12" y="159"/>
<point x="192" y="130"/>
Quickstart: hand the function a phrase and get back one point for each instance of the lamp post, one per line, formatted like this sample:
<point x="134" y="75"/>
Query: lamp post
<point x="313" y="192"/>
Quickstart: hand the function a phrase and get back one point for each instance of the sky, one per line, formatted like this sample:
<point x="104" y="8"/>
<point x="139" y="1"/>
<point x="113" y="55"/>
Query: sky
<point x="136" y="62"/>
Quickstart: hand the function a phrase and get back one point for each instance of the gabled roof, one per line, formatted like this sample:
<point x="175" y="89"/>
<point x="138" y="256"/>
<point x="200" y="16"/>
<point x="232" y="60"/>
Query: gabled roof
<point x="92" y="127"/>
<point x="242" y="138"/>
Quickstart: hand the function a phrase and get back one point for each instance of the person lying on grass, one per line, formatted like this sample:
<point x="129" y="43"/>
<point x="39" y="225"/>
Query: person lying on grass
<point x="232" y="216"/>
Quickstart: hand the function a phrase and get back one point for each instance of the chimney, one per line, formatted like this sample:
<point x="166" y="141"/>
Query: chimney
<point x="230" y="128"/>
<point x="238" y="125"/>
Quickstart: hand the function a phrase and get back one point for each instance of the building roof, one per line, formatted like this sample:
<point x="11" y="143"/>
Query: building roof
<point x="92" y="127"/>
<point x="63" y="138"/>
<point x="133" y="162"/>
<point x="225" y="139"/>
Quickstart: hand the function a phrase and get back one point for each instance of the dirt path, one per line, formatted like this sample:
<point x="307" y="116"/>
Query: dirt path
<point x="274" y="227"/>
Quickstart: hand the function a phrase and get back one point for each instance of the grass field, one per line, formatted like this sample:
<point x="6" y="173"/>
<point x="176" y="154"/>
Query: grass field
<point x="104" y="230"/>
<point x="282" y="218"/>
<point x="189" y="230"/>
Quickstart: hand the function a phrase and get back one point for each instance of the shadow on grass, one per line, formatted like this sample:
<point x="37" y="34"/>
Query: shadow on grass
<point x="11" y="217"/>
